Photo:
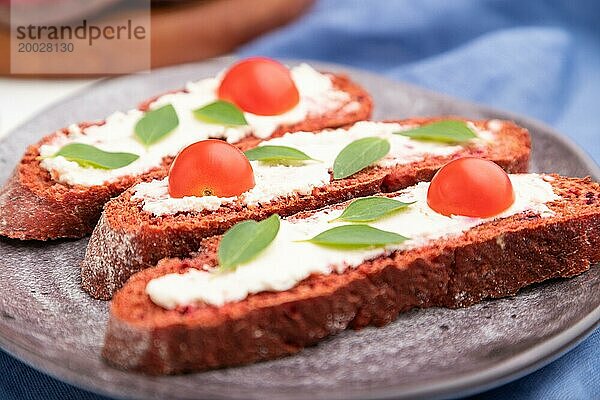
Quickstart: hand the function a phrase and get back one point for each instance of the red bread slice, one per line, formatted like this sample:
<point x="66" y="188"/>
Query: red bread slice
<point x="33" y="206"/>
<point x="127" y="239"/>
<point x="492" y="260"/>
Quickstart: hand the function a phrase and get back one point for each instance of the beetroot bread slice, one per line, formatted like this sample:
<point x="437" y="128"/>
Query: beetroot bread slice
<point x="491" y="260"/>
<point x="128" y="239"/>
<point x="34" y="206"/>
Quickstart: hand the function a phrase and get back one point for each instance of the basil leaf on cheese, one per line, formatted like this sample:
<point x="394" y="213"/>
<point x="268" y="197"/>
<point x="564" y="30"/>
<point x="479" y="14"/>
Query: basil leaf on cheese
<point x="370" y="209"/>
<point x="220" y="112"/>
<point x="448" y="131"/>
<point x="358" y="155"/>
<point x="156" y="124"/>
<point x="276" y="153"/>
<point x="246" y="240"/>
<point x="92" y="157"/>
<point x="356" y="237"/>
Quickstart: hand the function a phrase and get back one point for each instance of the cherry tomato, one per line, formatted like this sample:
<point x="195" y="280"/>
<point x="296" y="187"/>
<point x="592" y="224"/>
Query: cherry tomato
<point x="210" y="168"/>
<point x="260" y="86"/>
<point x="471" y="187"/>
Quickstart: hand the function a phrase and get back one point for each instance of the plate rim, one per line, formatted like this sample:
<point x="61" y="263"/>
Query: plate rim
<point x="508" y="370"/>
<point x="512" y="368"/>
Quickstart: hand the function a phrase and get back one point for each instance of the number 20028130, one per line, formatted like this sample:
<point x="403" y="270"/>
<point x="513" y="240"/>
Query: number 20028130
<point x="45" y="47"/>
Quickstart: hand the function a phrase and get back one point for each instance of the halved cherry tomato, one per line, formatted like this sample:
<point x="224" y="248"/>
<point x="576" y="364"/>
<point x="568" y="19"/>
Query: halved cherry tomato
<point x="471" y="187"/>
<point x="260" y="86"/>
<point x="210" y="168"/>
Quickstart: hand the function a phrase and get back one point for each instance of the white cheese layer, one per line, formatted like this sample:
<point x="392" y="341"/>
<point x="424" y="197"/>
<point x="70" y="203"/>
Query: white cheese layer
<point x="276" y="181"/>
<point x="317" y="96"/>
<point x="287" y="261"/>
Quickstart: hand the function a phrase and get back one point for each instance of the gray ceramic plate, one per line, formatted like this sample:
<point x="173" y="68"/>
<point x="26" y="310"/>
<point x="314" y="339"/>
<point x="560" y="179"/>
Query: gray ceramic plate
<point x="47" y="321"/>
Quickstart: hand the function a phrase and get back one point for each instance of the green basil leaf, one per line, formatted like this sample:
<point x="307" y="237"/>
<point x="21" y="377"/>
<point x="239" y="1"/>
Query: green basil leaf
<point x="156" y="124"/>
<point x="246" y="240"/>
<point x="371" y="208"/>
<point x="276" y="153"/>
<point x="449" y="131"/>
<point x="358" y="155"/>
<point x="92" y="157"/>
<point x="356" y="237"/>
<point x="221" y="113"/>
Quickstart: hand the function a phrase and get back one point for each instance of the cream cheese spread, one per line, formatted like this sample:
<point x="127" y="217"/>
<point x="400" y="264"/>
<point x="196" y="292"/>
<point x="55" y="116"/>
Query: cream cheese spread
<point x="276" y="181"/>
<point x="317" y="96"/>
<point x="287" y="261"/>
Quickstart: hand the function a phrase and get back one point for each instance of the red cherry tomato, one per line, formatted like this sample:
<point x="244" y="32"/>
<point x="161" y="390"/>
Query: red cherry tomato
<point x="210" y="168"/>
<point x="260" y="86"/>
<point x="471" y="187"/>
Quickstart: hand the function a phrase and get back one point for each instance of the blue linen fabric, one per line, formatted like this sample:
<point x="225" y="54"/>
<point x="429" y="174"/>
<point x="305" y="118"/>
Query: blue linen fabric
<point x="539" y="58"/>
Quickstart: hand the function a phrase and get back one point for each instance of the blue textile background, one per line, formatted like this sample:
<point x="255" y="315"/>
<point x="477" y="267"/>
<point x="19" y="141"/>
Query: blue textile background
<point x="538" y="58"/>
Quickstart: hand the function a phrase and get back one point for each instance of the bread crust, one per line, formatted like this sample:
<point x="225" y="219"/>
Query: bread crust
<point x="128" y="240"/>
<point x="492" y="260"/>
<point x="33" y="206"/>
